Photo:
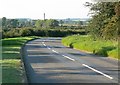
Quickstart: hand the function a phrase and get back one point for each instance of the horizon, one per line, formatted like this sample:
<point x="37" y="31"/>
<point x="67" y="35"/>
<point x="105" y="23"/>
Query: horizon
<point x="60" y="9"/>
<point x="42" y="19"/>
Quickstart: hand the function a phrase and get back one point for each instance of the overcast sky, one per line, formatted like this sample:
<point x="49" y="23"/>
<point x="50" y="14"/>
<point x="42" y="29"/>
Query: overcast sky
<point x="54" y="9"/>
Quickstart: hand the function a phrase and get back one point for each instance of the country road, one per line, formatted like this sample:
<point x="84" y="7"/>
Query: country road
<point x="48" y="61"/>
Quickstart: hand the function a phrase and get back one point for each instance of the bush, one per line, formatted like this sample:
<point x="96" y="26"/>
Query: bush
<point x="26" y="32"/>
<point x="10" y="33"/>
<point x="56" y="32"/>
<point x="39" y="32"/>
<point x="101" y="52"/>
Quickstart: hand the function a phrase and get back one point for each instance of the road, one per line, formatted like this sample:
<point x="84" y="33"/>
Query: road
<point x="48" y="61"/>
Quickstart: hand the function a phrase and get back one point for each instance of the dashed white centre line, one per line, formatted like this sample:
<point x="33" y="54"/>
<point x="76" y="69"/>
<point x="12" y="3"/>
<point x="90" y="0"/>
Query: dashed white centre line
<point x="82" y="64"/>
<point x="98" y="71"/>
<point x="58" y="53"/>
<point x="54" y="51"/>
<point x="68" y="57"/>
<point x="43" y="43"/>
<point x="48" y="48"/>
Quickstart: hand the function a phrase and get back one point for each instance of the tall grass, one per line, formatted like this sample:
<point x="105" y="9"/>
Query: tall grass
<point x="99" y="47"/>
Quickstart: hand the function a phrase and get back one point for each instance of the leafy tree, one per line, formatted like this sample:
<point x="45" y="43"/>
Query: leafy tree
<point x="14" y="23"/>
<point x="39" y="23"/>
<point x="104" y="20"/>
<point x="61" y="22"/>
<point x="46" y="23"/>
<point x="55" y="23"/>
<point x="0" y="23"/>
<point x="4" y="22"/>
<point x="117" y="11"/>
<point x="110" y="30"/>
<point x="28" y="24"/>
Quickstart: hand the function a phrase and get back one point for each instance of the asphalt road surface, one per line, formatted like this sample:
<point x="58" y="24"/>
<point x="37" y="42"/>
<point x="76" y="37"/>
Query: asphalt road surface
<point x="48" y="61"/>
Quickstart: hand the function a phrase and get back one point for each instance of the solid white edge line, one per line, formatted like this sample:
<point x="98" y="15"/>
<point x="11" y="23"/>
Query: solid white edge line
<point x="68" y="58"/>
<point x="98" y="71"/>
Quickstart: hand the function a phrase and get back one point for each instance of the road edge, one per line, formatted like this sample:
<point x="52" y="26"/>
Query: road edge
<point x="22" y="55"/>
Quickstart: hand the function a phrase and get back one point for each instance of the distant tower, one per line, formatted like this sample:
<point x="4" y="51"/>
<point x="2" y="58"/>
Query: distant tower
<point x="44" y="16"/>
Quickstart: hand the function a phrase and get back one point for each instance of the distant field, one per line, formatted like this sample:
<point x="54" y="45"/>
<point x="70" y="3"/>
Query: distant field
<point x="98" y="47"/>
<point x="11" y="63"/>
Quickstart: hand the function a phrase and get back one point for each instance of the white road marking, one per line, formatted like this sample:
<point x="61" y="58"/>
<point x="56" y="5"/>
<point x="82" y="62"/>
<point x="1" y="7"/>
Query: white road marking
<point x="82" y="64"/>
<point x="54" y="51"/>
<point x="48" y="48"/>
<point x="68" y="57"/>
<point x="44" y="44"/>
<point x="98" y="71"/>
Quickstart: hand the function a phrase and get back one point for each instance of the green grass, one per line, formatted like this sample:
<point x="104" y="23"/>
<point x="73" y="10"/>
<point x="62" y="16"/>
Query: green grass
<point x="11" y="66"/>
<point x="11" y="72"/>
<point x="98" y="47"/>
<point x="12" y="51"/>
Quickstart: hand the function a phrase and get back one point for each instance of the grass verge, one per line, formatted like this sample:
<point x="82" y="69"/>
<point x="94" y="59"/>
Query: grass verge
<point x="98" y="47"/>
<point x="11" y="63"/>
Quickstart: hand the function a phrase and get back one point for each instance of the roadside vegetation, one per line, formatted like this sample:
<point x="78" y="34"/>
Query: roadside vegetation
<point x="105" y="21"/>
<point x="48" y="27"/>
<point x="102" y="31"/>
<point x="58" y="32"/>
<point x="12" y="72"/>
<point x="85" y="43"/>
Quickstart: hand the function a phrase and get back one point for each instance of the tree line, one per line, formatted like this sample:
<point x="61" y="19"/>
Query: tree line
<point x="20" y="23"/>
<point x="47" y="23"/>
<point x="27" y="27"/>
<point x="105" y="21"/>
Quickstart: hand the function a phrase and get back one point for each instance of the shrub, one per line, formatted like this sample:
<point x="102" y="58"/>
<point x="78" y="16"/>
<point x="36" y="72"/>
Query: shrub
<point x="39" y="32"/>
<point x="10" y="33"/>
<point x="26" y="32"/>
<point x="101" y="52"/>
<point x="56" y="32"/>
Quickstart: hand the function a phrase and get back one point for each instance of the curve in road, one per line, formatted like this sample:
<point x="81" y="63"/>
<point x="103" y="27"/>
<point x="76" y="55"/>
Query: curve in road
<point x="48" y="61"/>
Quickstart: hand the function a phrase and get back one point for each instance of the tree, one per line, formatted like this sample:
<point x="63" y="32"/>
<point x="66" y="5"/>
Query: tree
<point x="117" y="11"/>
<point x="39" y="23"/>
<point x="110" y="30"/>
<point x="28" y="24"/>
<point x="14" y="23"/>
<point x="103" y="22"/>
<point x="46" y="23"/>
<point x="0" y="23"/>
<point x="4" y="23"/>
<point x="61" y="22"/>
<point x="51" y="23"/>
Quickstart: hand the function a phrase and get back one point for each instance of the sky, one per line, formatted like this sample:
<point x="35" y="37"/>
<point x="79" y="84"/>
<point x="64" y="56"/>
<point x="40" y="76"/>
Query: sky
<point x="35" y="9"/>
